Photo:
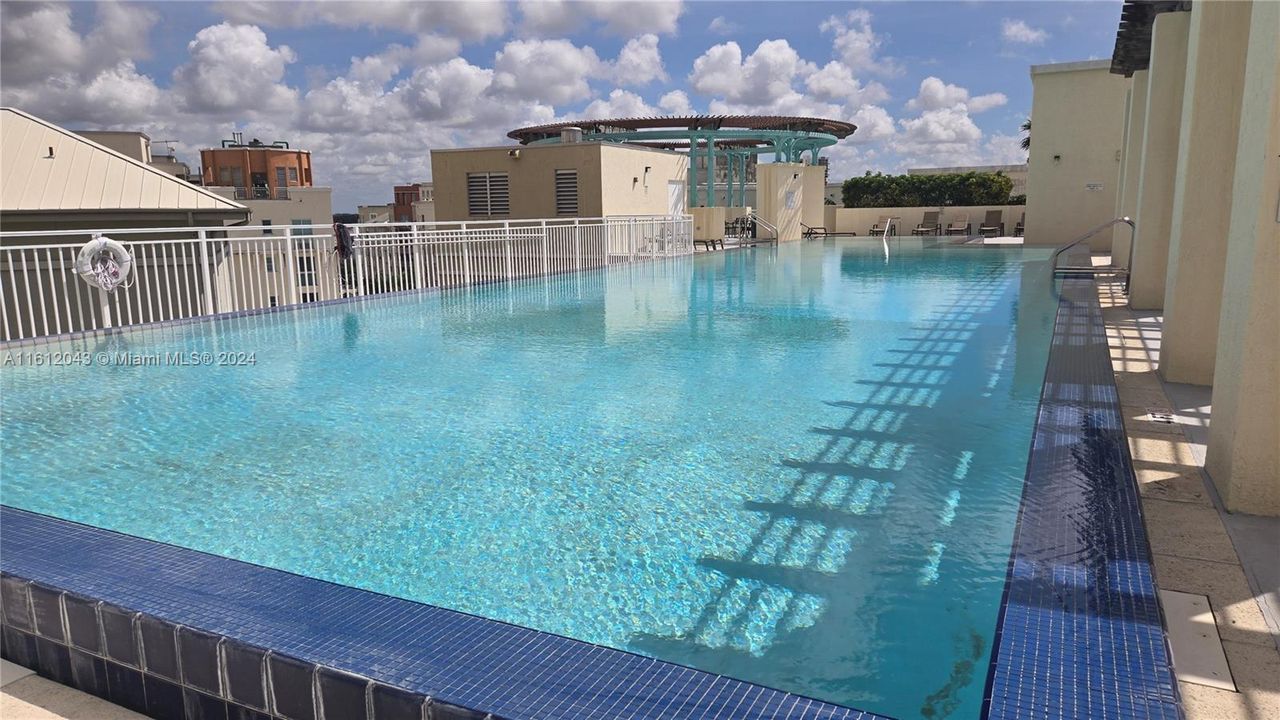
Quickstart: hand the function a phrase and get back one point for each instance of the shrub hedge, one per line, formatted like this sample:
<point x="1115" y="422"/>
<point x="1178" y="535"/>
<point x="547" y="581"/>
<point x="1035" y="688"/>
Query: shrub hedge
<point x="879" y="190"/>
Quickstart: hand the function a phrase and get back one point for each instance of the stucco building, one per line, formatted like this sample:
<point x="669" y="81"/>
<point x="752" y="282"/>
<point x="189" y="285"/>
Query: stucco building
<point x="1180" y="131"/>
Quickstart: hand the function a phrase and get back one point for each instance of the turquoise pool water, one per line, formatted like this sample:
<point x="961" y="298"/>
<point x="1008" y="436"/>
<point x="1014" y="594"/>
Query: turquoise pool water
<point x="798" y="466"/>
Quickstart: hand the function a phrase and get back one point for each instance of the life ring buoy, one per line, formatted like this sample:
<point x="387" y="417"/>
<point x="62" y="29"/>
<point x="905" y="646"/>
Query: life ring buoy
<point x="104" y="263"/>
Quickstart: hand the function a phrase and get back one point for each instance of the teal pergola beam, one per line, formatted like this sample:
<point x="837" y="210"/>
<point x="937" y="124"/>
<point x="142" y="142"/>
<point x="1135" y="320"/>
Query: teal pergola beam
<point x="786" y="146"/>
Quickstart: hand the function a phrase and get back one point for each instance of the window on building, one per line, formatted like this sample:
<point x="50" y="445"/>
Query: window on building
<point x="308" y="297"/>
<point x="271" y="264"/>
<point x="304" y="241"/>
<point x="488" y="194"/>
<point x="566" y="192"/>
<point x="266" y="228"/>
<point x="280" y="181"/>
<point x="306" y="271"/>
<point x="293" y="176"/>
<point x="306" y="174"/>
<point x="273" y="301"/>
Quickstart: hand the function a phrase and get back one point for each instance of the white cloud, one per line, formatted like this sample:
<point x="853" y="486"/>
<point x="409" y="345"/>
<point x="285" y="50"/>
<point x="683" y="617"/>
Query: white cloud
<point x="723" y="26"/>
<point x="620" y="103"/>
<point x="467" y="19"/>
<point x="551" y="71"/>
<point x="835" y="81"/>
<point x="1018" y="31"/>
<point x="557" y="18"/>
<point x="762" y="78"/>
<point x="676" y="102"/>
<point x="857" y="45"/>
<point x="983" y="103"/>
<point x="874" y="123"/>
<point x="639" y="62"/>
<point x="935" y="94"/>
<point x="234" y="69"/>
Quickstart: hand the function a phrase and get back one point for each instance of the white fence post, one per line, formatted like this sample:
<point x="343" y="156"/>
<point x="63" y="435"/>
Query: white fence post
<point x="291" y="260"/>
<point x="418" y="245"/>
<point x="577" y="244"/>
<point x="203" y="238"/>
<point x="466" y="256"/>
<point x="546" y="251"/>
<point x="506" y="246"/>
<point x="358" y="251"/>
<point x="104" y="304"/>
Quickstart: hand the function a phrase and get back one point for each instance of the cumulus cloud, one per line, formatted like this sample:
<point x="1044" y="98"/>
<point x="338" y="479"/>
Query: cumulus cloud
<point x="935" y="94"/>
<point x="557" y="18"/>
<point x="620" y="103"/>
<point x="233" y="67"/>
<point x="762" y="77"/>
<point x="857" y="45"/>
<point x="835" y="81"/>
<point x="552" y="71"/>
<point x="467" y="19"/>
<point x="676" y="102"/>
<point x="1018" y="31"/>
<point x="639" y="62"/>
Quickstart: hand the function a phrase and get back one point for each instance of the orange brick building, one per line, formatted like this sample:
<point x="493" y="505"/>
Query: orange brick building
<point x="256" y="169"/>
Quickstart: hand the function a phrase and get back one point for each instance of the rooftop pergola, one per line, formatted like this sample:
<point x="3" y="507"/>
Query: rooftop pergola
<point x="732" y="138"/>
<point x="1133" y="37"/>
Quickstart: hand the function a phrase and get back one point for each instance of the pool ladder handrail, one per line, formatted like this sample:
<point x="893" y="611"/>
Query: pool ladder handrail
<point x="755" y="217"/>
<point x="1111" y="269"/>
<point x="888" y="225"/>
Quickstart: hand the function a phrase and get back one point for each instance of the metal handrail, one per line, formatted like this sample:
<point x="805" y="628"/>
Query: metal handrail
<point x="761" y="221"/>
<point x="885" y="238"/>
<point x="1053" y="260"/>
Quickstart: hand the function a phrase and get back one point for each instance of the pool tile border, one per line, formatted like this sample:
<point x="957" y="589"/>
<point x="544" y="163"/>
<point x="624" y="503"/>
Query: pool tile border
<point x="165" y="630"/>
<point x="1080" y="632"/>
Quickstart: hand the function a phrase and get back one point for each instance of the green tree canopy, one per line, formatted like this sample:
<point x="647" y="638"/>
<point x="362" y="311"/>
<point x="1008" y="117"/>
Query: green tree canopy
<point x="879" y="190"/>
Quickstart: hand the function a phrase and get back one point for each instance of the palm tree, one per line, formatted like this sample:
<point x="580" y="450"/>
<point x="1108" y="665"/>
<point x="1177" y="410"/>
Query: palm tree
<point x="1026" y="128"/>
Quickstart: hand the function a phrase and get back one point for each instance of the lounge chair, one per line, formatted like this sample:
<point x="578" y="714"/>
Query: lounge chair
<point x="1021" y="227"/>
<point x="993" y="224"/>
<point x="930" y="226"/>
<point x="884" y="222"/>
<point x="960" y="226"/>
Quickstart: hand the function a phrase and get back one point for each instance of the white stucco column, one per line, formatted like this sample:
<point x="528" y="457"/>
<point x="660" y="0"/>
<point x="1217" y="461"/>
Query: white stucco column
<point x="1216" y="47"/>
<point x="1244" y="455"/>
<point x="1132" y="170"/>
<point x="1159" y="159"/>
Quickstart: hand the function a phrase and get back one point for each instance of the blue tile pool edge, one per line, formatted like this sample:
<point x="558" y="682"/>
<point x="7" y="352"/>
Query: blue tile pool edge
<point x="1085" y="638"/>
<point x="49" y="565"/>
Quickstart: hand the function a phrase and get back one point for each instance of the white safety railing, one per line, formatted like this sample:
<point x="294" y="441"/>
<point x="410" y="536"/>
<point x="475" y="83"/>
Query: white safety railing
<point x="182" y="273"/>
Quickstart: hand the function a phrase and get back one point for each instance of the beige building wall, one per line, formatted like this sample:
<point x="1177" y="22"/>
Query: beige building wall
<point x="708" y="222"/>
<point x="813" y="199"/>
<point x="1159" y="160"/>
<point x="306" y="206"/>
<point x="612" y="178"/>
<point x="1078" y="128"/>
<point x="424" y="211"/>
<point x="1243" y="457"/>
<point x="1122" y="236"/>
<point x="1211" y="100"/>
<point x="131" y="144"/>
<point x="374" y="213"/>
<point x="636" y="181"/>
<point x="857" y="221"/>
<point x="780" y="194"/>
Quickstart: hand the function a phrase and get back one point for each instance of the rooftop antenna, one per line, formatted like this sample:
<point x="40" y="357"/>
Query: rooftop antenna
<point x="168" y="144"/>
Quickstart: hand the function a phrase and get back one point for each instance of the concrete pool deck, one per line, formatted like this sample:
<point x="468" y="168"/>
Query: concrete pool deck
<point x="1192" y="546"/>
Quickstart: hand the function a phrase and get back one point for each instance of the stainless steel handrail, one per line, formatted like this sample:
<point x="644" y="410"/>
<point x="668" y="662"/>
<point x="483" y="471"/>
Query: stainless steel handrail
<point x="1053" y="261"/>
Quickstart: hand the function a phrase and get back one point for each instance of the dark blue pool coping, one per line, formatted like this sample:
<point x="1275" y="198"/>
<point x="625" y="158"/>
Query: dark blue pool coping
<point x="174" y="632"/>
<point x="1080" y="633"/>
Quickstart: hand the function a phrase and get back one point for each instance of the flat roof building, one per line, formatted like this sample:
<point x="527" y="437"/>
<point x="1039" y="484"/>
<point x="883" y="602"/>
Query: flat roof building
<point x="256" y="169"/>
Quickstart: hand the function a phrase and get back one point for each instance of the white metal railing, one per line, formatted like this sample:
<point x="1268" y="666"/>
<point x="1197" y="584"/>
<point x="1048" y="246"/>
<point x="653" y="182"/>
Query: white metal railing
<point x="189" y="272"/>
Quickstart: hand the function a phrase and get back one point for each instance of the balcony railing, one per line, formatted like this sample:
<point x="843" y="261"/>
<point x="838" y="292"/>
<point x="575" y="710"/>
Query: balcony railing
<point x="262" y="193"/>
<point x="191" y="272"/>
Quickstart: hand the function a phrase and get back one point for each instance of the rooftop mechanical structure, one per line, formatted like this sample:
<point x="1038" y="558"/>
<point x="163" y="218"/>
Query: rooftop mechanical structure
<point x="713" y="138"/>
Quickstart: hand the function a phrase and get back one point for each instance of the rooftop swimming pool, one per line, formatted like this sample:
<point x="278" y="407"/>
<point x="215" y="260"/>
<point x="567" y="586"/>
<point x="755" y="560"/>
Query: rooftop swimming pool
<point x="799" y="466"/>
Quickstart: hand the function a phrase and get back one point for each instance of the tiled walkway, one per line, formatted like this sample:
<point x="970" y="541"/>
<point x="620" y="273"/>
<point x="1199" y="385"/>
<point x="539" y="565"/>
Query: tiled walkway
<point x="1192" y="550"/>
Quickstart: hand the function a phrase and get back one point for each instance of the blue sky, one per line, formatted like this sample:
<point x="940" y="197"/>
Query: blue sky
<point x="372" y="87"/>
